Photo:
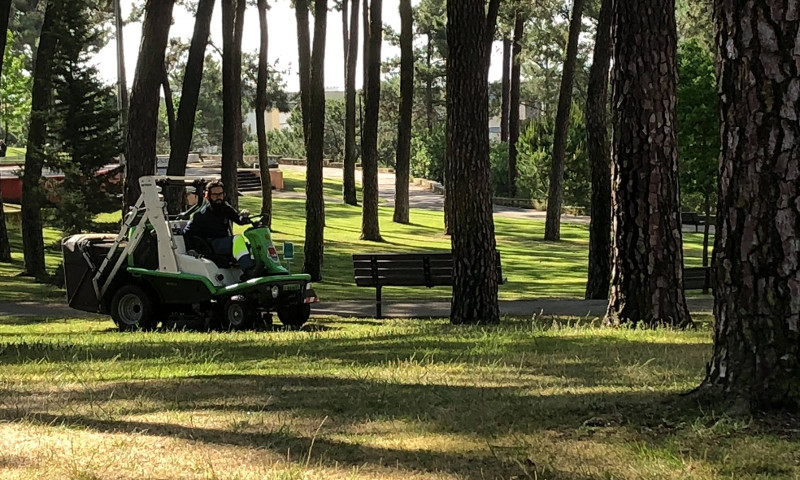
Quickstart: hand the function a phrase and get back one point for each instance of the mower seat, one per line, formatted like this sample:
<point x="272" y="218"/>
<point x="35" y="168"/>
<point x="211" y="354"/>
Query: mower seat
<point x="203" y="248"/>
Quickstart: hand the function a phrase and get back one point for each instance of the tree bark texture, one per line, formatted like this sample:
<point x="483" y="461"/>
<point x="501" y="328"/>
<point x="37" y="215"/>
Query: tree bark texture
<point x="647" y="267"/>
<point x="756" y="258"/>
<point x="469" y="36"/>
<point x="349" y="180"/>
<point x="122" y="82"/>
<point x="599" y="275"/>
<point x="32" y="197"/>
<point x="514" y="102"/>
<point x="555" y="195"/>
<point x="370" y="229"/>
<point x="140" y="145"/>
<point x="170" y="106"/>
<point x="304" y="62"/>
<point x="261" y="110"/>
<point x="506" y="86"/>
<point x="232" y="26"/>
<point x="403" y="162"/>
<point x="5" y="246"/>
<point x="315" y="204"/>
<point x="429" y="114"/>
<point x="190" y="90"/>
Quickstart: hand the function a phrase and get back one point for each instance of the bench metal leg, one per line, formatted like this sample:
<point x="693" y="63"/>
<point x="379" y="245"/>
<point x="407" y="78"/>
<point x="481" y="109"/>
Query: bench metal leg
<point x="378" y="302"/>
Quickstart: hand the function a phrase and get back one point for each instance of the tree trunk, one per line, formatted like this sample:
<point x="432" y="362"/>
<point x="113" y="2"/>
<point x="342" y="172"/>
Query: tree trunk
<point x="429" y="85"/>
<point x="706" y="230"/>
<point x="140" y="145"/>
<point x="370" y="230"/>
<point x="599" y="275"/>
<point x="261" y="110"/>
<point x="170" y="106"/>
<point x="403" y="163"/>
<point x="555" y="196"/>
<point x="349" y="171"/>
<point x="5" y="246"/>
<point x="32" y="198"/>
<point x="505" y="105"/>
<point x="756" y="358"/>
<point x="647" y="283"/>
<point x="122" y="82"/>
<point x="190" y="90"/>
<point x="304" y="63"/>
<point x="513" y="113"/>
<point x="232" y="25"/>
<point x="315" y="204"/>
<point x="469" y="37"/>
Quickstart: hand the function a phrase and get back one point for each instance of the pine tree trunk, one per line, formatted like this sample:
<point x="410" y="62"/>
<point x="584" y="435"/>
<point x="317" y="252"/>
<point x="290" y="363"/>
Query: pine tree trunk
<point x="122" y="82"/>
<point x="32" y="198"/>
<point x="647" y="278"/>
<point x="555" y="196"/>
<point x="304" y="63"/>
<point x="370" y="229"/>
<point x="514" y="102"/>
<point x="315" y="204"/>
<point x="403" y="163"/>
<point x="140" y="145"/>
<point x="599" y="275"/>
<point x="5" y="246"/>
<point x="190" y="90"/>
<point x="469" y="36"/>
<point x="756" y="358"/>
<point x="349" y="172"/>
<point x="505" y="94"/>
<point x="232" y="25"/>
<point x="261" y="110"/>
<point x="429" y="114"/>
<point x="170" y="106"/>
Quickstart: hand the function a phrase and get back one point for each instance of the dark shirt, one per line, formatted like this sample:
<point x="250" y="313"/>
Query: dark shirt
<point x="212" y="223"/>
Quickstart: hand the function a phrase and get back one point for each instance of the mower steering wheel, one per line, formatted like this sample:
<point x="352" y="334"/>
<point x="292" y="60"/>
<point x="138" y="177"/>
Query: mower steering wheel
<point x="257" y="220"/>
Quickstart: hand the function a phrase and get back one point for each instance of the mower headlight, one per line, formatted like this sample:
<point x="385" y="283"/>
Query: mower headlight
<point x="275" y="291"/>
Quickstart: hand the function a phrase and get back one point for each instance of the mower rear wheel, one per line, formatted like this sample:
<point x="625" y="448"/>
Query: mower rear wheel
<point x="294" y="315"/>
<point x="132" y="308"/>
<point x="238" y="315"/>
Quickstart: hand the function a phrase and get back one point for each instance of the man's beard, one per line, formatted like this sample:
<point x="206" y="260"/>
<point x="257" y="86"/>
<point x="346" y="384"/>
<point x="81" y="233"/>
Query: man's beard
<point x="217" y="205"/>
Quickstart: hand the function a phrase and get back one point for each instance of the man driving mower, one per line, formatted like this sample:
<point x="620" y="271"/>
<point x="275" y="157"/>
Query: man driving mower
<point x="212" y="224"/>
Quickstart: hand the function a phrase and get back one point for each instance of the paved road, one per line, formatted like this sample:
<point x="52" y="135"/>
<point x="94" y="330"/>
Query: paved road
<point x="399" y="309"/>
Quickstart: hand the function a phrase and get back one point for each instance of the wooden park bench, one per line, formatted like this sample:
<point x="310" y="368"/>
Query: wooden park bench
<point x="694" y="219"/>
<point x="378" y="270"/>
<point x="696" y="278"/>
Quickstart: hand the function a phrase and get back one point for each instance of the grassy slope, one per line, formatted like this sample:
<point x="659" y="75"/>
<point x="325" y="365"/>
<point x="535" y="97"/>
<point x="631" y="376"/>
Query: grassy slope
<point x="395" y="399"/>
<point x="534" y="268"/>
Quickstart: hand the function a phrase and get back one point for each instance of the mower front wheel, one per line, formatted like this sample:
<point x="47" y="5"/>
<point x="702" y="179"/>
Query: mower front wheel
<point x="132" y="308"/>
<point x="294" y="315"/>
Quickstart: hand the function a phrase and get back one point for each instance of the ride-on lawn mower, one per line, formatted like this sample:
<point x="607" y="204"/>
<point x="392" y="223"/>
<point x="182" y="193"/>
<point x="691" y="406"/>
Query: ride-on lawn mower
<point x="145" y="274"/>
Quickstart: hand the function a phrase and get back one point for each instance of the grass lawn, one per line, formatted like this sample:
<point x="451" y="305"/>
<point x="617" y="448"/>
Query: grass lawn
<point x="535" y="268"/>
<point x="348" y="399"/>
<point x="13" y="155"/>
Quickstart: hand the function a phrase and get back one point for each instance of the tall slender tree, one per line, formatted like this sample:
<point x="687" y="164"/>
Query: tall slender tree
<point x="599" y="274"/>
<point x="304" y="62"/>
<point x="403" y="163"/>
<point x="315" y="204"/>
<point x="514" y="102"/>
<point x="647" y="278"/>
<point x="5" y="246"/>
<point x="506" y="86"/>
<point x="349" y="171"/>
<point x="555" y="196"/>
<point x="169" y="104"/>
<point x="756" y="357"/>
<point x="470" y="32"/>
<point x="373" y="37"/>
<point x="122" y="82"/>
<point x="32" y="198"/>
<point x="261" y="110"/>
<point x="140" y="145"/>
<point x="190" y="90"/>
<point x="232" y="27"/>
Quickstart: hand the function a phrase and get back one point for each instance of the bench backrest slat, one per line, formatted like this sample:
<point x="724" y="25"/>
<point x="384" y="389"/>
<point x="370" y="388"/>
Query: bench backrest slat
<point x="406" y="269"/>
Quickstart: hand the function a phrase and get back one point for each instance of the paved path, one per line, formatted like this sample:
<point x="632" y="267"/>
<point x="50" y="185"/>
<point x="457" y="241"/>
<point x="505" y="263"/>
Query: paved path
<point x="397" y="309"/>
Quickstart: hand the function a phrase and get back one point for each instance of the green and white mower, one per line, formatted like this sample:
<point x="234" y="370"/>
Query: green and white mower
<point x="145" y="275"/>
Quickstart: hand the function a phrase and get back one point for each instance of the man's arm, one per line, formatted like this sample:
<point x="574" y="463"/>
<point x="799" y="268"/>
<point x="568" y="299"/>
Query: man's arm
<point x="240" y="218"/>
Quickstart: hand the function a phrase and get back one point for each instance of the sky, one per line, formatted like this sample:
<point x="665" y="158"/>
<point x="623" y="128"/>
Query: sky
<point x="282" y="42"/>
